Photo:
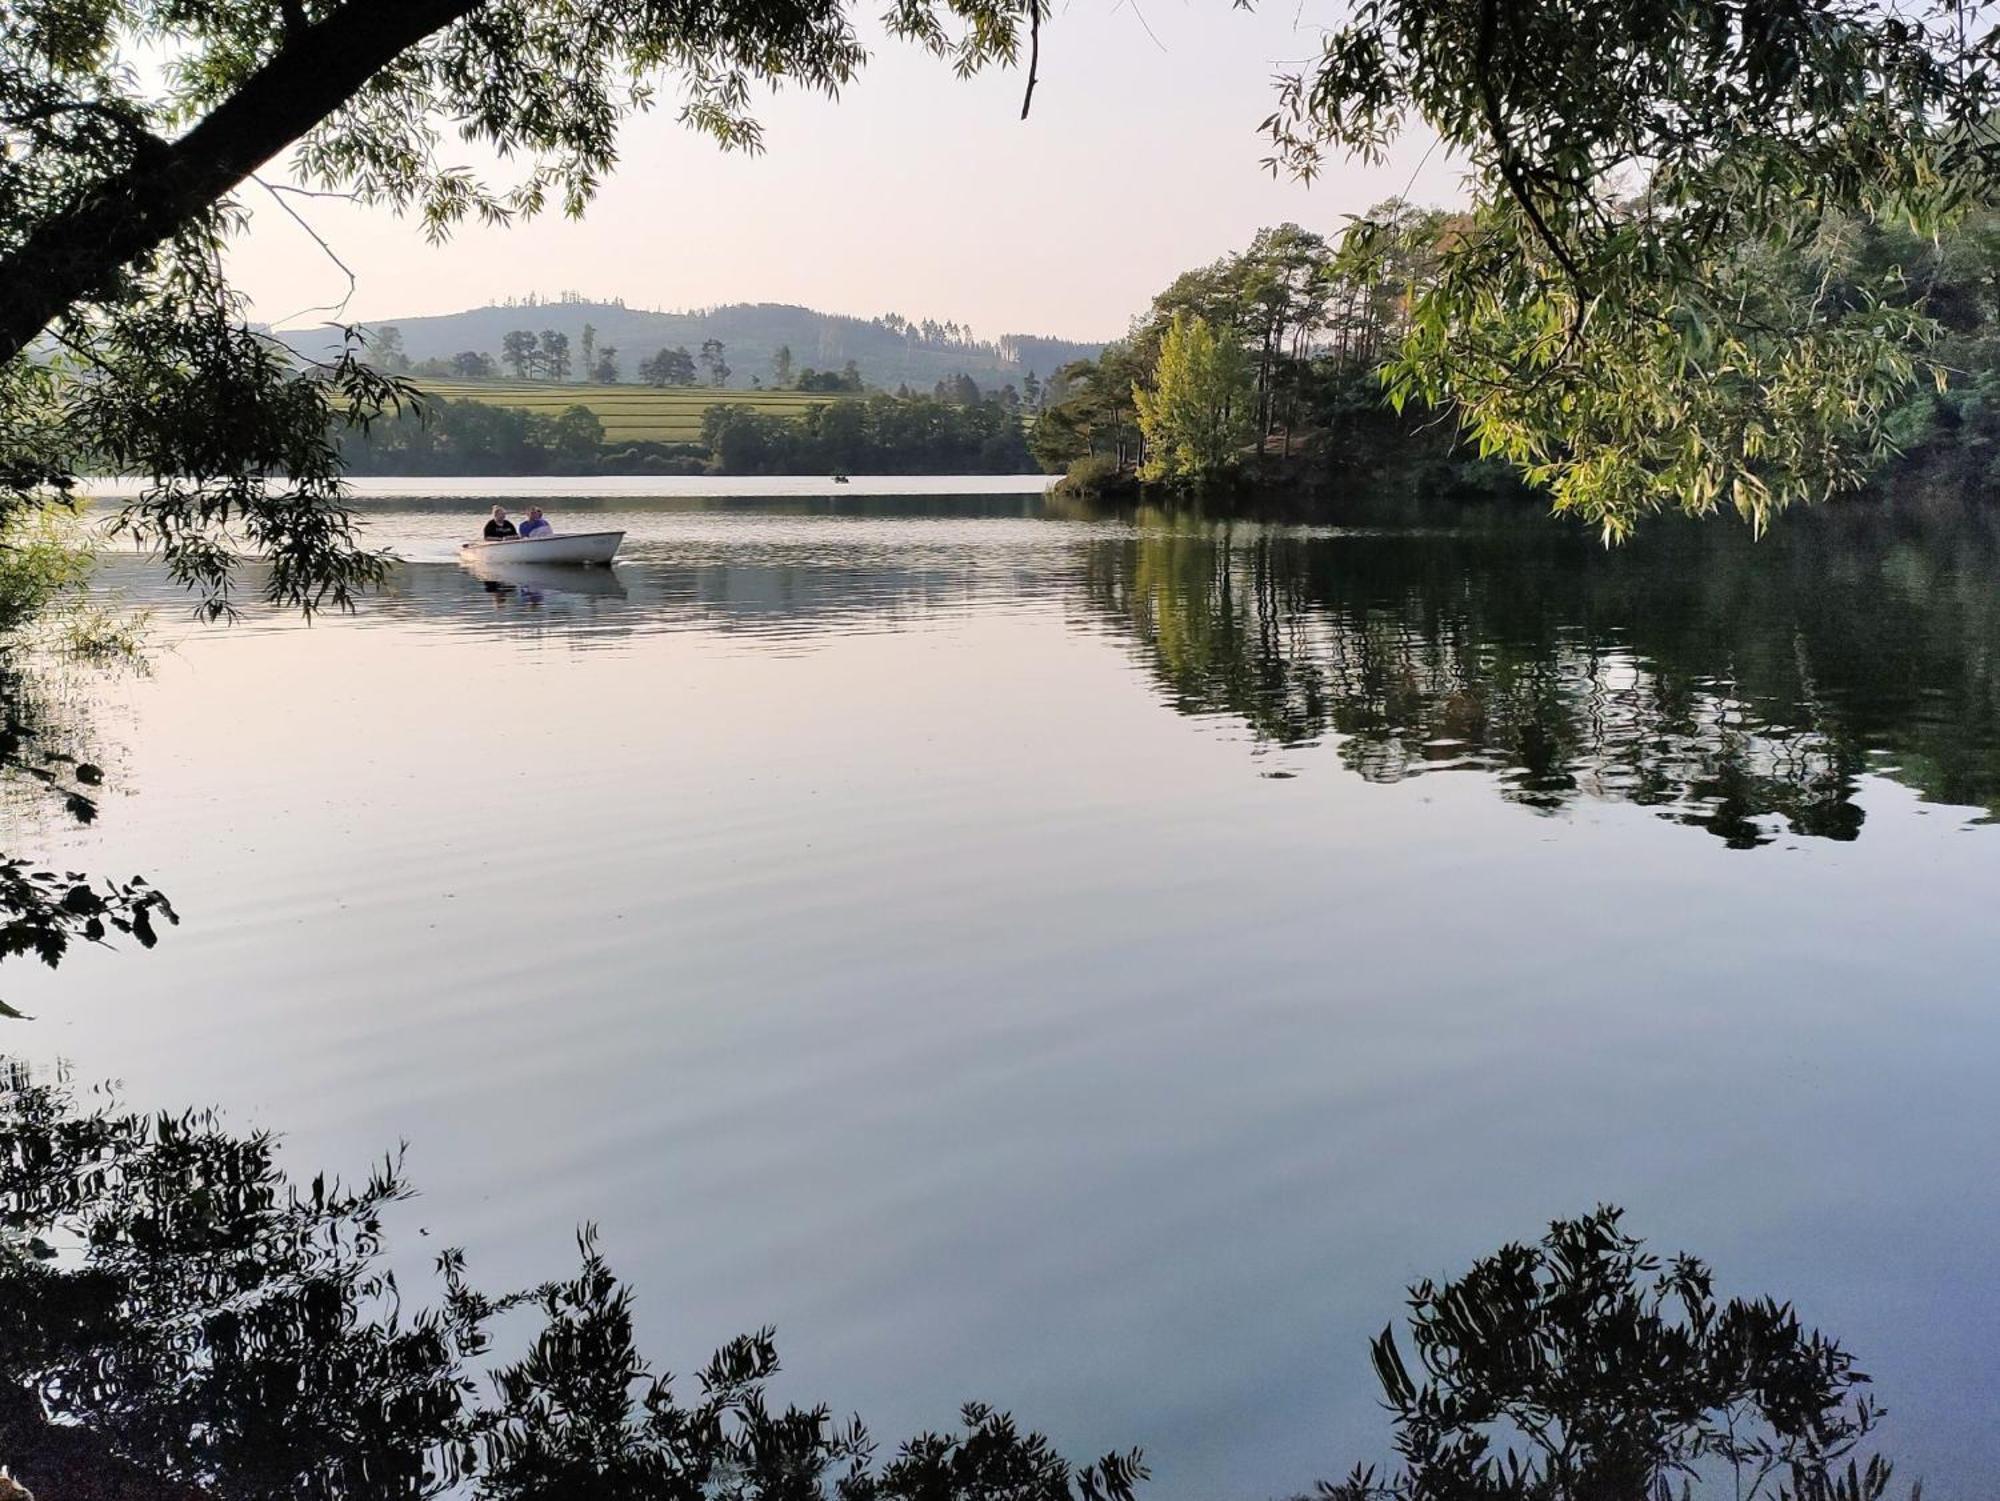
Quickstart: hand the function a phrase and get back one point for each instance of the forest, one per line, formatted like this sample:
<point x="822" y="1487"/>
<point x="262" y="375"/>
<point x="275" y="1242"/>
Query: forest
<point x="1278" y="368"/>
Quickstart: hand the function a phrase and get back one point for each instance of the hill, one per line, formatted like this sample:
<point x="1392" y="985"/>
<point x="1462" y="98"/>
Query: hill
<point x="888" y="350"/>
<point x="630" y="414"/>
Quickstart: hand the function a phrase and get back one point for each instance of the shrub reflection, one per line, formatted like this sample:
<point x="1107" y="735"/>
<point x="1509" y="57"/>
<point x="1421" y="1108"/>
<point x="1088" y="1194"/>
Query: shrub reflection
<point x="179" y="1318"/>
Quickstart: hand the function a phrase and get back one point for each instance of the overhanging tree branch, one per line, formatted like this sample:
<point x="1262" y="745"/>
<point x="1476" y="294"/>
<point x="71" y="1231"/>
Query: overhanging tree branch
<point x="167" y="186"/>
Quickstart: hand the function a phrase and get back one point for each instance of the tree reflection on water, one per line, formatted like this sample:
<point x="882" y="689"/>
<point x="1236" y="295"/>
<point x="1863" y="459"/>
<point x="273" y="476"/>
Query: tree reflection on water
<point x="1739" y="687"/>
<point x="179" y="1318"/>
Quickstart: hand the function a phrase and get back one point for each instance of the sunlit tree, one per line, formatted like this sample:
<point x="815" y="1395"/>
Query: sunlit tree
<point x="1197" y="415"/>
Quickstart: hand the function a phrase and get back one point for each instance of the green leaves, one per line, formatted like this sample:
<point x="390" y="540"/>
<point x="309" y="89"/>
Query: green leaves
<point x="1636" y="312"/>
<point x="1735" y="383"/>
<point x="1196" y="417"/>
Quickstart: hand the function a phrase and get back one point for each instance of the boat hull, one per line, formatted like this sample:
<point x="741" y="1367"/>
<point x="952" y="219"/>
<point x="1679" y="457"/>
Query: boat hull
<point x="569" y="549"/>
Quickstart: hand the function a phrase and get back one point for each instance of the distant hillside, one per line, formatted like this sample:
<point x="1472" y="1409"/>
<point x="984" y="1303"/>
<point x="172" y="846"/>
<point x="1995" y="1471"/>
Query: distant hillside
<point x="630" y="413"/>
<point x="887" y="354"/>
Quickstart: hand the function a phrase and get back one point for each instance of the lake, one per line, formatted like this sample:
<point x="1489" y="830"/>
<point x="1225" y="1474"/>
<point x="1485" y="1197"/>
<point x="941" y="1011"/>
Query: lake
<point x="1092" y="963"/>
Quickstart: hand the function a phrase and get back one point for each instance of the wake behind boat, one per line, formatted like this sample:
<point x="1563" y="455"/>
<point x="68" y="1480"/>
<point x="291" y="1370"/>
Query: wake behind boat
<point x="572" y="548"/>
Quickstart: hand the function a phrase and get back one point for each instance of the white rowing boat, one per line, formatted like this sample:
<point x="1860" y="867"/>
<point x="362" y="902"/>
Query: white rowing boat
<point x="567" y="547"/>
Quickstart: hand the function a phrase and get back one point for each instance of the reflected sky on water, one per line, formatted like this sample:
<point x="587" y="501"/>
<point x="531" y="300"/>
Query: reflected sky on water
<point x="1092" y="963"/>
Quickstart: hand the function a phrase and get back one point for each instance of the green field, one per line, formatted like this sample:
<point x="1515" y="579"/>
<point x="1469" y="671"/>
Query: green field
<point x="630" y="414"/>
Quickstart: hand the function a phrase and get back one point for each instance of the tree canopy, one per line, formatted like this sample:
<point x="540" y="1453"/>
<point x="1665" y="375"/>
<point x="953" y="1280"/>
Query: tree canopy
<point x="1195" y="417"/>
<point x="1612" y="315"/>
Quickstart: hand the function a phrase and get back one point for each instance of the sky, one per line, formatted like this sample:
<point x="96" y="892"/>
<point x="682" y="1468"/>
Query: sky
<point x="914" y="193"/>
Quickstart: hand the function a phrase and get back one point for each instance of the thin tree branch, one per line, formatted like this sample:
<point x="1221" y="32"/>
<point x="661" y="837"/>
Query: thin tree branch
<point x="1509" y="163"/>
<point x="1034" y="53"/>
<point x="353" y="282"/>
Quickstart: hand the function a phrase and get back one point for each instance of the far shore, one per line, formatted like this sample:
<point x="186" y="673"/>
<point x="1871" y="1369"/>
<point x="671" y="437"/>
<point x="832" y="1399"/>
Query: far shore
<point x="366" y="489"/>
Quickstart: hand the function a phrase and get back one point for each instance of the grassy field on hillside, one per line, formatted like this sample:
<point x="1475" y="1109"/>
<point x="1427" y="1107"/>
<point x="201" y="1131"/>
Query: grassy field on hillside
<point x="630" y="414"/>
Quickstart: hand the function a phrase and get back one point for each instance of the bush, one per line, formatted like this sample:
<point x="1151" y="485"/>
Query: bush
<point x="43" y="557"/>
<point x="1091" y="474"/>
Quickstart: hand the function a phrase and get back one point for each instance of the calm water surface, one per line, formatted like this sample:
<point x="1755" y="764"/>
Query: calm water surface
<point x="1092" y="965"/>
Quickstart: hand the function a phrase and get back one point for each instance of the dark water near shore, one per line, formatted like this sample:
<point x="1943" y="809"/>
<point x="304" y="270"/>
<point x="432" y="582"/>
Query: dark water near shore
<point x="1092" y="963"/>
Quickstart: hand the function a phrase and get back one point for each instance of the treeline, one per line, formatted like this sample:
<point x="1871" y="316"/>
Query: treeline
<point x="1259" y="364"/>
<point x="879" y="435"/>
<point x="1265" y="367"/>
<point x="1951" y="430"/>
<point x="548" y="355"/>
<point x="471" y="437"/>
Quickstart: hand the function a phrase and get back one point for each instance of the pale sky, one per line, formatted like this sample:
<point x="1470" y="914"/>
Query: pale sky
<point x="914" y="193"/>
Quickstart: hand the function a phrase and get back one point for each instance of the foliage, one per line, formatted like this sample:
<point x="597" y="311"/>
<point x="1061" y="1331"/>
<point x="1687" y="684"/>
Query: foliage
<point x="712" y="362"/>
<point x="1616" y="316"/>
<point x="1196" y="417"/>
<point x="385" y="349"/>
<point x="1091" y="474"/>
<point x="630" y="413"/>
<point x="668" y="367"/>
<point x="554" y="354"/>
<point x="179" y="1316"/>
<point x="1746" y="689"/>
<point x="1315" y="324"/>
<point x="1088" y="409"/>
<point x="1325" y="323"/>
<point x="880" y="435"/>
<point x="1585" y="1367"/>
<point x="522" y="352"/>
<point x="847" y="378"/>
<point x="44" y="910"/>
<point x="475" y="437"/>
<point x="44" y="564"/>
<point x="42" y="559"/>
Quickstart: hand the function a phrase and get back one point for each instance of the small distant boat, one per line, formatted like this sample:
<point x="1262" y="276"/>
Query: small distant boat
<point x="840" y="479"/>
<point x="572" y="548"/>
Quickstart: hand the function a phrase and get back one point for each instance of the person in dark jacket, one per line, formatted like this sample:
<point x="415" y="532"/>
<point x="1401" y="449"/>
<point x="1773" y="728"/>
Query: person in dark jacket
<point x="499" y="525"/>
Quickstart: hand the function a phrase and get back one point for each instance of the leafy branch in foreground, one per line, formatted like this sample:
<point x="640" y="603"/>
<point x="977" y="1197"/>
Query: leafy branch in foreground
<point x="1614" y="315"/>
<point x="1584" y="1367"/>
<point x="43" y="762"/>
<point x="43" y="912"/>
